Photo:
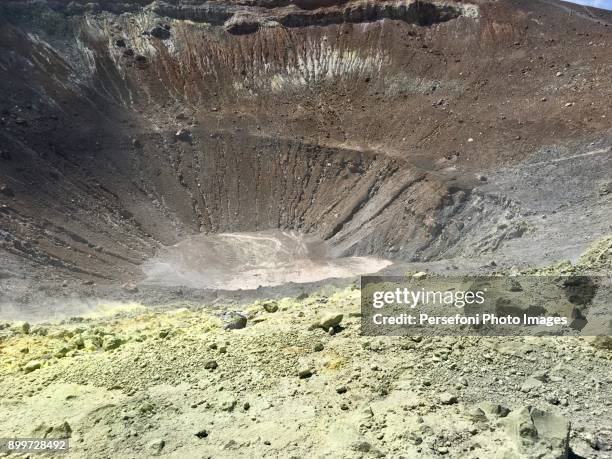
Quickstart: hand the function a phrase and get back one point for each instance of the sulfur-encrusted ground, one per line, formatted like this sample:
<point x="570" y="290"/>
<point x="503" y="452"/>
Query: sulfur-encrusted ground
<point x="133" y="383"/>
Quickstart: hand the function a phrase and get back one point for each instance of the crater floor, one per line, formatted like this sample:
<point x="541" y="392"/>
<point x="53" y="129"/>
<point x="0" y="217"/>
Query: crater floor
<point x="237" y="261"/>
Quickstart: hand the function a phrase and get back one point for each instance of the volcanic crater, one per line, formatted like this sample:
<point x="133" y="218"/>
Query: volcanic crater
<point x="383" y="129"/>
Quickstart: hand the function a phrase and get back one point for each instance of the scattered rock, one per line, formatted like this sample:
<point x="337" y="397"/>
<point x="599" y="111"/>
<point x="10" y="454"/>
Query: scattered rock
<point x="476" y="414"/>
<point x="156" y="445"/>
<point x="305" y="372"/>
<point x="446" y="398"/>
<point x="493" y="410"/>
<point x="211" y="365"/>
<point x="164" y="333"/>
<point x="44" y="430"/>
<point x="270" y="306"/>
<point x="361" y="446"/>
<point x="330" y="320"/>
<point x="228" y="405"/>
<point x="32" y="366"/>
<point x="553" y="429"/>
<point x="234" y="321"/>
<point x="183" y="135"/>
<point x="111" y="342"/>
<point x="533" y="382"/>
<point x="538" y="432"/>
<point x="61" y="352"/>
<point x="146" y="407"/>
<point x="521" y="428"/>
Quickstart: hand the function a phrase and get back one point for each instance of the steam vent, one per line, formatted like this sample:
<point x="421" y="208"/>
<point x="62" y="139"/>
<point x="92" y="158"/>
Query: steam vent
<point x="187" y="186"/>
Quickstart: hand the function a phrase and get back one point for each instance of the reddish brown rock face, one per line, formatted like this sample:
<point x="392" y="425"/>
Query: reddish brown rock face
<point x="126" y="126"/>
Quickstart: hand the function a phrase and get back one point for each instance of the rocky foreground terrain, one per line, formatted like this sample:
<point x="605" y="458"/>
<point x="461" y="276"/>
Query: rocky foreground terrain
<point x="273" y="380"/>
